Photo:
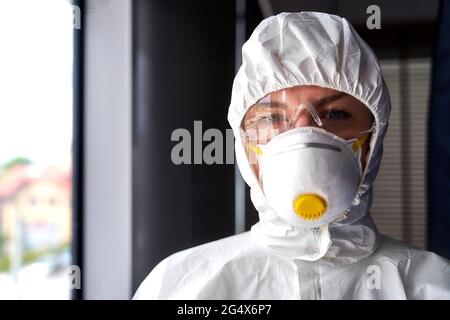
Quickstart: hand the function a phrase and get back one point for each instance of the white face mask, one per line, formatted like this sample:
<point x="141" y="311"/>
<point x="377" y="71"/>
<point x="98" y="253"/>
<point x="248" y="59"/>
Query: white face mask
<point x="310" y="177"/>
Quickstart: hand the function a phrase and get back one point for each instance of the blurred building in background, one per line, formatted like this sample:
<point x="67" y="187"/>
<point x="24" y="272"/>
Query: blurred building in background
<point x="38" y="198"/>
<point x="35" y="224"/>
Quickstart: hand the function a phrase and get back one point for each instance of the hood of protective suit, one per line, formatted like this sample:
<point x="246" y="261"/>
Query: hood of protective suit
<point x="310" y="48"/>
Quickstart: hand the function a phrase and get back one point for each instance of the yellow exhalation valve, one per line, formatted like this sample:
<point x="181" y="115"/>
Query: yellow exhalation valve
<point x="309" y="206"/>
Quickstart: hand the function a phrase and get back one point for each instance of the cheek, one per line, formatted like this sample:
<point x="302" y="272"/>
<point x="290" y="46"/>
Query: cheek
<point x="364" y="120"/>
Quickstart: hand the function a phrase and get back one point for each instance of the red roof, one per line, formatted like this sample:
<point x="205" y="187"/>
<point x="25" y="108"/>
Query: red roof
<point x="23" y="175"/>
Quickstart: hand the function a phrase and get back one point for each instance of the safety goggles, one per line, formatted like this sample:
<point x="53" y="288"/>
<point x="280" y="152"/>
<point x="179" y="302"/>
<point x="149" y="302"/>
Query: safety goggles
<point x="268" y="118"/>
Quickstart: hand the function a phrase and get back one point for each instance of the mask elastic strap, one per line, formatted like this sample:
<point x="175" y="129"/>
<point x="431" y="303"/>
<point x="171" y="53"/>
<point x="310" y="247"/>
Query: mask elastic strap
<point x="358" y="143"/>
<point x="255" y="149"/>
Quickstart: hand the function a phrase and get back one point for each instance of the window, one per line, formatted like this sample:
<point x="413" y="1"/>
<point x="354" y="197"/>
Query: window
<point x="36" y="141"/>
<point x="399" y="206"/>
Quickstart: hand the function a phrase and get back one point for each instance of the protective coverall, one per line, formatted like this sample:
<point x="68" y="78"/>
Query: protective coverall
<point x="275" y="260"/>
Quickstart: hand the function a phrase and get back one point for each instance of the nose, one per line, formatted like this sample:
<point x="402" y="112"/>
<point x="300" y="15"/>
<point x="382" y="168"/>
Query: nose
<point x="303" y="119"/>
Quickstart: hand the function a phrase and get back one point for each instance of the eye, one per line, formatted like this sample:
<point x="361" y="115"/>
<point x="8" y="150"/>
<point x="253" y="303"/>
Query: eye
<point x="276" y="117"/>
<point x="336" y="114"/>
<point x="266" y="119"/>
<point x="270" y="118"/>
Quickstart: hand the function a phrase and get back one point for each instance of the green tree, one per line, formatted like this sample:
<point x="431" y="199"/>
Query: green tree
<point x="12" y="163"/>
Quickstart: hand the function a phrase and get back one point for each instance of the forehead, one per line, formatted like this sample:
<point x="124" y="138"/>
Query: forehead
<point x="303" y="92"/>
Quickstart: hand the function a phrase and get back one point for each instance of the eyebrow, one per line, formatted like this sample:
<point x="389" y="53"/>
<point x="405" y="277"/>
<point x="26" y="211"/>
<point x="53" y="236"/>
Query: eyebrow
<point x="318" y="104"/>
<point x="273" y="104"/>
<point x="329" y="99"/>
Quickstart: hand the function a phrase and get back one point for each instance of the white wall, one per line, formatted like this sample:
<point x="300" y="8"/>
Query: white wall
<point x="107" y="184"/>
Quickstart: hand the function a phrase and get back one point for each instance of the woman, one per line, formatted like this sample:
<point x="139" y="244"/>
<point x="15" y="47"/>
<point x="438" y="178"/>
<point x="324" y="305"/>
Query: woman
<point x="309" y="110"/>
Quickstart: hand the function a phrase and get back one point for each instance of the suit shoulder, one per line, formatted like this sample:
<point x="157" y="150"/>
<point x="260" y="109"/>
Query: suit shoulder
<point x="188" y="264"/>
<point x="425" y="274"/>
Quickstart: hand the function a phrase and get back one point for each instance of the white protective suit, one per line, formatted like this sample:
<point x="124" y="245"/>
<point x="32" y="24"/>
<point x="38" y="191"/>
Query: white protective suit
<point x="275" y="260"/>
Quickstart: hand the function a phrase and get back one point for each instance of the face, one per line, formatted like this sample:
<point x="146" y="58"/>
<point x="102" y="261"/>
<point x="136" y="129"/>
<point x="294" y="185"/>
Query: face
<point x="302" y="106"/>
